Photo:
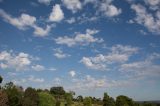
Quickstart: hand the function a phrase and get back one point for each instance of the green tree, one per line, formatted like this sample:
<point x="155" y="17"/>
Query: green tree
<point x="14" y="94"/>
<point x="57" y="90"/>
<point x="124" y="101"/>
<point x="31" y="97"/>
<point x="68" y="98"/>
<point x="108" y="101"/>
<point x="46" y="99"/>
<point x="80" y="98"/>
<point x="87" y="101"/>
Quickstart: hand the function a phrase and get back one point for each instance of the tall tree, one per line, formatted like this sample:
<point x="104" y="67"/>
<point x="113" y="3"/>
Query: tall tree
<point x="31" y="97"/>
<point x="14" y="94"/>
<point x="108" y="101"/>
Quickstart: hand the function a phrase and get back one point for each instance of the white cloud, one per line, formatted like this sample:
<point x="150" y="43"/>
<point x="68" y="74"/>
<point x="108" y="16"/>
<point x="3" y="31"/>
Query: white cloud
<point x="36" y="80"/>
<point x="40" y="32"/>
<point x="73" y="5"/>
<point x="25" y="21"/>
<point x="38" y="67"/>
<point x="46" y="2"/>
<point x="89" y="82"/>
<point x="60" y="54"/>
<point x="154" y="4"/>
<point x="149" y="20"/>
<point x="118" y="54"/>
<point x="57" y="14"/>
<point x="19" y="82"/>
<point x="79" y="39"/>
<point x="144" y="68"/>
<point x="72" y="73"/>
<point x="21" y="22"/>
<point x="18" y="62"/>
<point x="91" y="63"/>
<point x="109" y="9"/>
<point x="71" y="20"/>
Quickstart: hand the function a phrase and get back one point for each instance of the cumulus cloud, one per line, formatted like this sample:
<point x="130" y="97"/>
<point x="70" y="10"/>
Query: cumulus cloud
<point x="72" y="73"/>
<point x="46" y="2"/>
<point x="24" y="22"/>
<point x="109" y="9"/>
<point x="18" y="62"/>
<point x="118" y="54"/>
<point x="60" y="54"/>
<point x="79" y="39"/>
<point x="73" y="5"/>
<point x="57" y="14"/>
<point x="149" y="20"/>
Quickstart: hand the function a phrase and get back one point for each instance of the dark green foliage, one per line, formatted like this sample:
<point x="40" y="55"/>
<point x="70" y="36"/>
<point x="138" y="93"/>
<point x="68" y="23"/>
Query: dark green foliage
<point x="108" y="101"/>
<point x="31" y="97"/>
<point x="1" y="79"/>
<point x="87" y="101"/>
<point x="46" y="99"/>
<point x="80" y="98"/>
<point x="14" y="94"/>
<point x="57" y="91"/>
<point x="124" y="101"/>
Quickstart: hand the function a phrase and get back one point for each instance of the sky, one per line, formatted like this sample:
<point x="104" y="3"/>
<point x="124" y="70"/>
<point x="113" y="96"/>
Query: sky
<point x="87" y="46"/>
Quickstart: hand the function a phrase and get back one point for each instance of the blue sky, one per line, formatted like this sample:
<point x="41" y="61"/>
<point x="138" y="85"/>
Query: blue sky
<point x="87" y="46"/>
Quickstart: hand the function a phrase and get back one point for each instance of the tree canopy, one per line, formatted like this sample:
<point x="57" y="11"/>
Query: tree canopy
<point x="46" y="99"/>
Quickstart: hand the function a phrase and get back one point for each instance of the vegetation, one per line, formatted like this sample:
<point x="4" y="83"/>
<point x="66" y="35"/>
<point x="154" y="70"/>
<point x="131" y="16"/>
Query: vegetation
<point x="87" y="101"/>
<point x="12" y="95"/>
<point x="46" y="99"/>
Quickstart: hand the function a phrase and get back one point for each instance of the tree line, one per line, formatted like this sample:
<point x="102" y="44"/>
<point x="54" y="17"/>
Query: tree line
<point x="12" y="95"/>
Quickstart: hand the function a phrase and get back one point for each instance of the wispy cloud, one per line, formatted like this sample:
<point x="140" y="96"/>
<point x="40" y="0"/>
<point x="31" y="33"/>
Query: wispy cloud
<point x="118" y="54"/>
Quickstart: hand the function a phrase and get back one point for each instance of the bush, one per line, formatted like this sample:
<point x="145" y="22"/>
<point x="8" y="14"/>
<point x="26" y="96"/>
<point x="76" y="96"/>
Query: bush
<point x="87" y="101"/>
<point x="46" y="99"/>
